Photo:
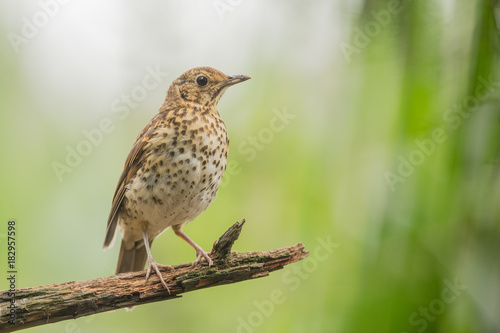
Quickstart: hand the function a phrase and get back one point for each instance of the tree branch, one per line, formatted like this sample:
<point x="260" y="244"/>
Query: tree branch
<point x="49" y="304"/>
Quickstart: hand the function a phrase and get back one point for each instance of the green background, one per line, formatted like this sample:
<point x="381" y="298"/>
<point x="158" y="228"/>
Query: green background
<point x="390" y="155"/>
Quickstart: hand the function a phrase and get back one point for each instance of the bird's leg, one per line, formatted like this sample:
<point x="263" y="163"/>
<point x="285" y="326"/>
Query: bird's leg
<point x="153" y="264"/>
<point x="200" y="253"/>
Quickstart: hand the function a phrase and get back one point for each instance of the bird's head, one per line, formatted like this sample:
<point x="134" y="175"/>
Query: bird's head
<point x="201" y="85"/>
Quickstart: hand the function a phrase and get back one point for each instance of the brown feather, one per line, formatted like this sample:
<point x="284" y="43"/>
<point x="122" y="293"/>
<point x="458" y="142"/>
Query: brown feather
<point x="132" y="164"/>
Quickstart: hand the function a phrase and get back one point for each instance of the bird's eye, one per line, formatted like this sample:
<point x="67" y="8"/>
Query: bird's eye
<point x="201" y="80"/>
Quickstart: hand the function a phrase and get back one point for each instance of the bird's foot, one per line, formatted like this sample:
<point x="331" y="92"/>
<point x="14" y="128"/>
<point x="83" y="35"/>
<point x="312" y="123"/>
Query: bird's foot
<point x="153" y="264"/>
<point x="200" y="254"/>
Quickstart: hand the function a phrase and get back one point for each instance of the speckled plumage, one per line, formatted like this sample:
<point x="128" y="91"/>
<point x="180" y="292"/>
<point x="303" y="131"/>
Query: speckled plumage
<point x="174" y="169"/>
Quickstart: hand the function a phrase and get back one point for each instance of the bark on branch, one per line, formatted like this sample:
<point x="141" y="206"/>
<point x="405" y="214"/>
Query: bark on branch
<point x="49" y="304"/>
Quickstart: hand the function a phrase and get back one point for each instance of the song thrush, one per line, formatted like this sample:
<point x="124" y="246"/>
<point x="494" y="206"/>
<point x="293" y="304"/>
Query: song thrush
<point x="173" y="171"/>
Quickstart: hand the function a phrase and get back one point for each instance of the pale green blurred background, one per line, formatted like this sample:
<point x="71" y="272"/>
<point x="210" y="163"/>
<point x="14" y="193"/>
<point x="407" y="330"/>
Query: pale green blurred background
<point x="389" y="153"/>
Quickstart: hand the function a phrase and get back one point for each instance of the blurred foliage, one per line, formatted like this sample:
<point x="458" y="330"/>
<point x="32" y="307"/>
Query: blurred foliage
<point x="387" y="167"/>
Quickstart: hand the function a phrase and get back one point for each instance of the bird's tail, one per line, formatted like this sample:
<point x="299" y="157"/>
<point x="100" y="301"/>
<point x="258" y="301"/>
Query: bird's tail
<point x="133" y="259"/>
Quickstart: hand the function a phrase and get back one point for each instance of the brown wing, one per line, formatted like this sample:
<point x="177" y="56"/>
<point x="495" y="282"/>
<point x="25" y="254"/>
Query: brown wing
<point x="131" y="166"/>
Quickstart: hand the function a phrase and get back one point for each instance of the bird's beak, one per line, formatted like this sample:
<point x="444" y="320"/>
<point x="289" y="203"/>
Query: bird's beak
<point x="233" y="79"/>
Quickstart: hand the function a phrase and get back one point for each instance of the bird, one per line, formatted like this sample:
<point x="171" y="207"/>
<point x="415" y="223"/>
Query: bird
<point x="173" y="171"/>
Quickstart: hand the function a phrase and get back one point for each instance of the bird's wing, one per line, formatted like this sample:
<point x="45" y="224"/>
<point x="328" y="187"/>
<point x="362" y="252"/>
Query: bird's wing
<point x="132" y="164"/>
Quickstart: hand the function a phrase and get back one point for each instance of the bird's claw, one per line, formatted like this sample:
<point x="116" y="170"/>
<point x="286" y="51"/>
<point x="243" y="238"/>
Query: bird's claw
<point x="153" y="264"/>
<point x="199" y="257"/>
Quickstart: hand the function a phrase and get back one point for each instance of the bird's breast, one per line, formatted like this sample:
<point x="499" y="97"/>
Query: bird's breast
<point x="182" y="170"/>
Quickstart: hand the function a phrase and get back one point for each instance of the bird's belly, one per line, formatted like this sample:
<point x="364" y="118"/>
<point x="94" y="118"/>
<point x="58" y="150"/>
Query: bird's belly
<point x="175" y="193"/>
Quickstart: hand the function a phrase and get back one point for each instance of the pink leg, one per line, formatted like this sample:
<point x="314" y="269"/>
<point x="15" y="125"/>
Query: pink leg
<point x="200" y="253"/>
<point x="152" y="263"/>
